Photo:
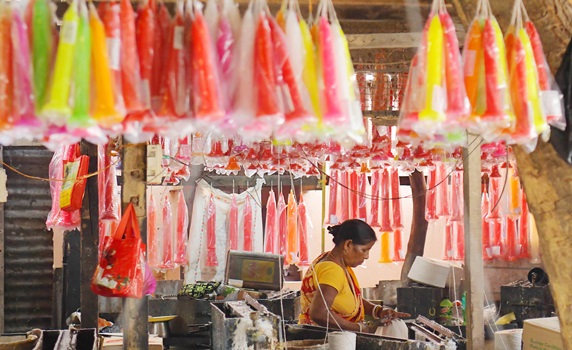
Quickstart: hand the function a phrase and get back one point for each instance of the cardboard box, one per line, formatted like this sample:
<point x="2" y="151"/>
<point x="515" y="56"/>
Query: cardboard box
<point x="542" y="334"/>
<point x="116" y="343"/>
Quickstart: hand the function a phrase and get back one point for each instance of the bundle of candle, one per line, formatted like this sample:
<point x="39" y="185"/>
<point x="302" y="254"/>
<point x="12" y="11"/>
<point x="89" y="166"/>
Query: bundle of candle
<point x="435" y="102"/>
<point x="112" y="72"/>
<point x="507" y="94"/>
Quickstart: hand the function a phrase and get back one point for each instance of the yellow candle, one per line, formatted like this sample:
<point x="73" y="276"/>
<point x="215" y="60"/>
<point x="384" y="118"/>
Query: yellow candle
<point x="385" y="257"/>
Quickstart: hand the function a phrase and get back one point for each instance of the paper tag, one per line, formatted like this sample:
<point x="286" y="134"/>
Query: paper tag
<point x="470" y="60"/>
<point x="178" y="37"/>
<point x="235" y="283"/>
<point x="437" y="100"/>
<point x="69" y="32"/>
<point x="551" y="103"/>
<point x="113" y="52"/>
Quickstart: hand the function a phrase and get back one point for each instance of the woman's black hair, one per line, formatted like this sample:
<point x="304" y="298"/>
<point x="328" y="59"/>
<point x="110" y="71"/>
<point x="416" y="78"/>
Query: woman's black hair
<point x="356" y="230"/>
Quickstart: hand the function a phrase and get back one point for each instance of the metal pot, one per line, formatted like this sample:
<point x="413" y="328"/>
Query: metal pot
<point x="161" y="329"/>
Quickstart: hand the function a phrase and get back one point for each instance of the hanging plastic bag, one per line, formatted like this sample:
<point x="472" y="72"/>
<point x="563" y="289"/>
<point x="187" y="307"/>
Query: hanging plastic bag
<point x="207" y="105"/>
<point x="211" y="260"/>
<point x="244" y="104"/>
<point x="303" y="233"/>
<point x="174" y="99"/>
<point x="443" y="208"/>
<point x="112" y="23"/>
<point x="431" y="196"/>
<point x="270" y="229"/>
<point x="43" y="48"/>
<point x="333" y="195"/>
<point x="247" y="225"/>
<point x="24" y="108"/>
<point x="457" y="202"/>
<point x="510" y="240"/>
<point x="449" y="239"/>
<point x="145" y="32"/>
<point x="233" y="224"/>
<point x="152" y="233"/>
<point x="354" y="194"/>
<point x="385" y="201"/>
<point x="375" y="198"/>
<point x="58" y="218"/>
<point x="103" y="101"/>
<point x="73" y="187"/>
<point x="551" y="97"/>
<point x="182" y="232"/>
<point x="282" y="211"/>
<point x="362" y="199"/>
<point x="344" y="198"/>
<point x="162" y="23"/>
<point x="6" y="67"/>
<point x="486" y="227"/>
<point x="396" y="222"/>
<point x="107" y="185"/>
<point x="460" y="238"/>
<point x="129" y="65"/>
<point x="495" y="190"/>
<point x="167" y="239"/>
<point x="293" y="249"/>
<point x="120" y="270"/>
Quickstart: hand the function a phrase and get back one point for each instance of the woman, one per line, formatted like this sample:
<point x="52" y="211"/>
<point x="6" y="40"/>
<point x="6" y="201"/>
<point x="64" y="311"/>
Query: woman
<point x="331" y="295"/>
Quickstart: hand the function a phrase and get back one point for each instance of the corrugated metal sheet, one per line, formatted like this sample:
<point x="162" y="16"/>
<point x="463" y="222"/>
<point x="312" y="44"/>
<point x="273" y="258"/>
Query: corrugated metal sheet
<point x="28" y="245"/>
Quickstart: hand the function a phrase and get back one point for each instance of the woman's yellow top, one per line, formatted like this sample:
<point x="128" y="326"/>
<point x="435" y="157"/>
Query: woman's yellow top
<point x="348" y="302"/>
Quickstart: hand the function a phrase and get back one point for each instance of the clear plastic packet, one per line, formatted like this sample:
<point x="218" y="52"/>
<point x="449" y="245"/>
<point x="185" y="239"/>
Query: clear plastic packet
<point x="458" y="106"/>
<point x="385" y="224"/>
<point x="375" y="198"/>
<point x="271" y="228"/>
<point x="303" y="233"/>
<point x="167" y="262"/>
<point x="174" y="100"/>
<point x="208" y="109"/>
<point x="495" y="193"/>
<point x="104" y="107"/>
<point x="160" y="51"/>
<point x="486" y="226"/>
<point x="443" y="200"/>
<point x="211" y="260"/>
<point x="282" y="214"/>
<point x="354" y="194"/>
<point x="449" y="241"/>
<point x="362" y="200"/>
<point x="232" y="222"/>
<point x="396" y="219"/>
<point x="457" y="202"/>
<point x="43" y="47"/>
<point x="6" y="67"/>
<point x="293" y="245"/>
<point x="145" y="27"/>
<point x="244" y="104"/>
<point x="152" y="233"/>
<point x="24" y="110"/>
<point x="129" y="60"/>
<point x="107" y="185"/>
<point x="552" y="100"/>
<point x="247" y="226"/>
<point x="431" y="196"/>
<point x="182" y="230"/>
<point x="58" y="218"/>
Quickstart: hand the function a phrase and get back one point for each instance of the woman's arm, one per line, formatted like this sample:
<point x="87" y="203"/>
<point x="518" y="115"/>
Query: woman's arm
<point x="384" y="313"/>
<point x="320" y="310"/>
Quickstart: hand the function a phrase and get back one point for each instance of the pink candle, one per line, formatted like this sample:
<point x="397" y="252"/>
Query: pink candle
<point x="211" y="260"/>
<point x="247" y="213"/>
<point x="270" y="230"/>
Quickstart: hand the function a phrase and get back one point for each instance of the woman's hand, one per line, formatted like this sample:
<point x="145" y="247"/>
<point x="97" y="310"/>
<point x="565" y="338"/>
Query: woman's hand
<point x="369" y="327"/>
<point x="387" y="315"/>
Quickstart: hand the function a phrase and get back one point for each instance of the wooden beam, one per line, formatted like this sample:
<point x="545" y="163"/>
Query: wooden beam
<point x="89" y="241"/>
<point x="473" y="244"/>
<point x="135" y="311"/>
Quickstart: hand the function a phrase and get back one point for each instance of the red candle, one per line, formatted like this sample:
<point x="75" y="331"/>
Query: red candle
<point x="233" y="224"/>
<point x="431" y="196"/>
<point x="303" y="233"/>
<point x="247" y="213"/>
<point x="211" y="234"/>
<point x="270" y="230"/>
<point x="182" y="230"/>
<point x="333" y="186"/>
<point x="385" y="202"/>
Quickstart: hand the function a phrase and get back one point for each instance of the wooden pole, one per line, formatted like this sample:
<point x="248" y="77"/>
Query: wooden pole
<point x="473" y="244"/>
<point x="419" y="225"/>
<point x="89" y="241"/>
<point x="135" y="323"/>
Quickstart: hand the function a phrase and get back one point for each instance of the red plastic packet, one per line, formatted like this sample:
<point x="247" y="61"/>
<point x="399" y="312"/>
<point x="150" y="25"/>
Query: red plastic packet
<point x="333" y="187"/>
<point x="130" y="73"/>
<point x="385" y="201"/>
<point x="375" y="193"/>
<point x="282" y="212"/>
<point x="233" y="224"/>
<point x="152" y="234"/>
<point x="145" y="29"/>
<point x="182" y="232"/>
<point x="271" y="229"/>
<point x="247" y="226"/>
<point x="431" y="196"/>
<point x="211" y="259"/>
<point x="303" y="233"/>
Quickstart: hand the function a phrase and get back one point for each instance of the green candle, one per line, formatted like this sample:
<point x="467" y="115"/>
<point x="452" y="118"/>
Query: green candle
<point x="82" y="70"/>
<point x="42" y="46"/>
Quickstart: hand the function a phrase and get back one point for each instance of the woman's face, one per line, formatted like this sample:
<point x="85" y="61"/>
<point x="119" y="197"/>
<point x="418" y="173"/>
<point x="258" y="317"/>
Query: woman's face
<point x="356" y="254"/>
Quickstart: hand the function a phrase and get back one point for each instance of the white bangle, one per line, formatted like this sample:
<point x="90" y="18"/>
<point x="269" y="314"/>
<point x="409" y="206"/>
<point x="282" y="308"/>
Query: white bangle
<point x="374" y="312"/>
<point x="360" y="327"/>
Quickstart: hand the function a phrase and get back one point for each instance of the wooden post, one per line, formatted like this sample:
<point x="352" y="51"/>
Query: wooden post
<point x="89" y="241"/>
<point x="135" y="323"/>
<point x="419" y="225"/>
<point x="2" y="251"/>
<point x="473" y="243"/>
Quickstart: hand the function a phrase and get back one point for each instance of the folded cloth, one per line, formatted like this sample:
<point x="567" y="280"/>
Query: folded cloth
<point x="396" y="329"/>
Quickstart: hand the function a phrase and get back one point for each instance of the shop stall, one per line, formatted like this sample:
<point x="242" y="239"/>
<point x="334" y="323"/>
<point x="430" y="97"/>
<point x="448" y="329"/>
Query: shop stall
<point x="202" y="148"/>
